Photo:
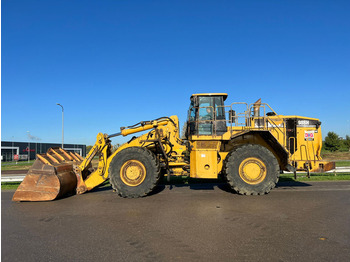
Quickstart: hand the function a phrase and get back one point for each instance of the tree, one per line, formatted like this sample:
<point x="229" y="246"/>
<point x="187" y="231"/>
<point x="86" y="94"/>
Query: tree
<point x="88" y="148"/>
<point x="115" y="147"/>
<point x="332" y="142"/>
<point x="184" y="131"/>
<point x="347" y="142"/>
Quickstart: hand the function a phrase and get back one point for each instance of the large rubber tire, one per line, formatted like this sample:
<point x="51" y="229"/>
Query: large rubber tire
<point x="134" y="172"/>
<point x="251" y="170"/>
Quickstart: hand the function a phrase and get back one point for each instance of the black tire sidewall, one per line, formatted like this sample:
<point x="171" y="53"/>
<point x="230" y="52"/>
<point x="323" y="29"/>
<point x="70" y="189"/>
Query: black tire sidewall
<point x="147" y="158"/>
<point x="241" y="153"/>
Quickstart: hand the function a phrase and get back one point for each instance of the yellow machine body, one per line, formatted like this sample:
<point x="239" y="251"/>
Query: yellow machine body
<point x="248" y="143"/>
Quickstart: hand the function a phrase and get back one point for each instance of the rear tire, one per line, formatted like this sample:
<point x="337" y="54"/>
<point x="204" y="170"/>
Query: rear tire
<point x="134" y="172"/>
<point x="251" y="170"/>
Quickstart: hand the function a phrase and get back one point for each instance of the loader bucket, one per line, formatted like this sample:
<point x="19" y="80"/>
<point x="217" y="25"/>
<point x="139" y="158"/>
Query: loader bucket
<point x="50" y="177"/>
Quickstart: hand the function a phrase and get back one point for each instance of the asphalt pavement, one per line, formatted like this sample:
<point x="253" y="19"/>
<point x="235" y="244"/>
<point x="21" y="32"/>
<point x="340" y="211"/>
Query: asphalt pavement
<point x="295" y="222"/>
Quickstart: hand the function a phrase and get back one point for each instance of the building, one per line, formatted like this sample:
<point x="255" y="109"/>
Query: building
<point x="30" y="149"/>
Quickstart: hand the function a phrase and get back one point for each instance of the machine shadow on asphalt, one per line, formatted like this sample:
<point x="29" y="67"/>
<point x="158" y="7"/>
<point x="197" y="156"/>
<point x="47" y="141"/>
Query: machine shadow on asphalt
<point x="291" y="183"/>
<point x="202" y="185"/>
<point x="197" y="185"/>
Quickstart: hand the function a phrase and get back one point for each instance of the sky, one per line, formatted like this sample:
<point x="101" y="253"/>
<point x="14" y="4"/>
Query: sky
<point x="114" y="63"/>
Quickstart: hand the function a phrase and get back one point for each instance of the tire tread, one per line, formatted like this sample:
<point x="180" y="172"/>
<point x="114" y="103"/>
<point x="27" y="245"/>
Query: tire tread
<point x="144" y="190"/>
<point x="231" y="159"/>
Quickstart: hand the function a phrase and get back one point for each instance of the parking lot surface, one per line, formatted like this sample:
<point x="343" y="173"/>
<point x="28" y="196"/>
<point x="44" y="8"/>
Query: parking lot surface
<point x="295" y="222"/>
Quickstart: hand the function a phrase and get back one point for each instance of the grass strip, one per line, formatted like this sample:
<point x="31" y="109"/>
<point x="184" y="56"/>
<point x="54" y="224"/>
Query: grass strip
<point x="19" y="166"/>
<point x="9" y="185"/>
<point x="315" y="177"/>
<point x="342" y="163"/>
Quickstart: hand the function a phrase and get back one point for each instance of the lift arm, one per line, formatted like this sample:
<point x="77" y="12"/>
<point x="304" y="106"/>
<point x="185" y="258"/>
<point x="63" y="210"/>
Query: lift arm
<point x="102" y="148"/>
<point x="142" y="126"/>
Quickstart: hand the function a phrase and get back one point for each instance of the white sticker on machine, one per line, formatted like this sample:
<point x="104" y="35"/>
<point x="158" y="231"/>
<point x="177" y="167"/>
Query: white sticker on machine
<point x="309" y="135"/>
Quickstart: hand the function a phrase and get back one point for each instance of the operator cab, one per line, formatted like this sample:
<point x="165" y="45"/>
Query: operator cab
<point x="206" y="115"/>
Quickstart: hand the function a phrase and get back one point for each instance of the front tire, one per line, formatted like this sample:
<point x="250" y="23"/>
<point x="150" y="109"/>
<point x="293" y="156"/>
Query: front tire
<point x="251" y="170"/>
<point x="134" y="172"/>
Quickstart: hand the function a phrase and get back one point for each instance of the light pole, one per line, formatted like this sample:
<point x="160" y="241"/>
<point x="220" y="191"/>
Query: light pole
<point x="28" y="146"/>
<point x="62" y="124"/>
<point x="13" y="138"/>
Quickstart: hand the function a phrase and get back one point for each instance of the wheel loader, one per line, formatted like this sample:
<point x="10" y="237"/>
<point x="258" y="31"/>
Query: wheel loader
<point x="248" y="144"/>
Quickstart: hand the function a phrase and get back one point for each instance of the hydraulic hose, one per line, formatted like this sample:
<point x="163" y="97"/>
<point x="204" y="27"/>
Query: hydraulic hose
<point x="142" y="123"/>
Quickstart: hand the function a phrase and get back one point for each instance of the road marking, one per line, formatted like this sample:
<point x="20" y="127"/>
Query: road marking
<point x="312" y="188"/>
<point x="13" y="178"/>
<point x="344" y="169"/>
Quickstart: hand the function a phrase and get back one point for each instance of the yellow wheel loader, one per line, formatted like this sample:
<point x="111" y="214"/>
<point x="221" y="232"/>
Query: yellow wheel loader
<point x="249" y="144"/>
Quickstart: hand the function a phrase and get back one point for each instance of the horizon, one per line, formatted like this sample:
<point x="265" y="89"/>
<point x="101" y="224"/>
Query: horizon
<point x="113" y="64"/>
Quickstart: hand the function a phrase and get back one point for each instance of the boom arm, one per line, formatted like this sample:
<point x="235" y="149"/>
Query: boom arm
<point x="124" y="131"/>
<point x="102" y="147"/>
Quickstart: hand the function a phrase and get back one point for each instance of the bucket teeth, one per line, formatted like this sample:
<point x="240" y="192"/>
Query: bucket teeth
<point x="57" y="155"/>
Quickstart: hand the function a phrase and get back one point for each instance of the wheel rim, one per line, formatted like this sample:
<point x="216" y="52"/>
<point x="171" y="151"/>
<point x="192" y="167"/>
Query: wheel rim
<point x="252" y="170"/>
<point x="133" y="173"/>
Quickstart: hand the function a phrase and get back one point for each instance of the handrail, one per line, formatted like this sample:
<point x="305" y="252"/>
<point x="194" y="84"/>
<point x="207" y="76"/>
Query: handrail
<point x="313" y="151"/>
<point x="294" y="146"/>
<point x="275" y="126"/>
<point x="306" y="153"/>
<point x="246" y="115"/>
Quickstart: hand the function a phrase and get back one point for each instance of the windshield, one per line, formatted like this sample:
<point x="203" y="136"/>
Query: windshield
<point x="203" y="114"/>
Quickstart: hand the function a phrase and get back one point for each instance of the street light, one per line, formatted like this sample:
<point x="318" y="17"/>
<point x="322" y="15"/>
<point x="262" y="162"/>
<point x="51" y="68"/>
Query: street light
<point x="13" y="138"/>
<point x="62" y="124"/>
<point x="28" y="146"/>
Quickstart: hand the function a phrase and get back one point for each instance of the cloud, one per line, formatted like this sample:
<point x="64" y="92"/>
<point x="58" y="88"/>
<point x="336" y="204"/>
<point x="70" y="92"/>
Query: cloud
<point x="33" y="138"/>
